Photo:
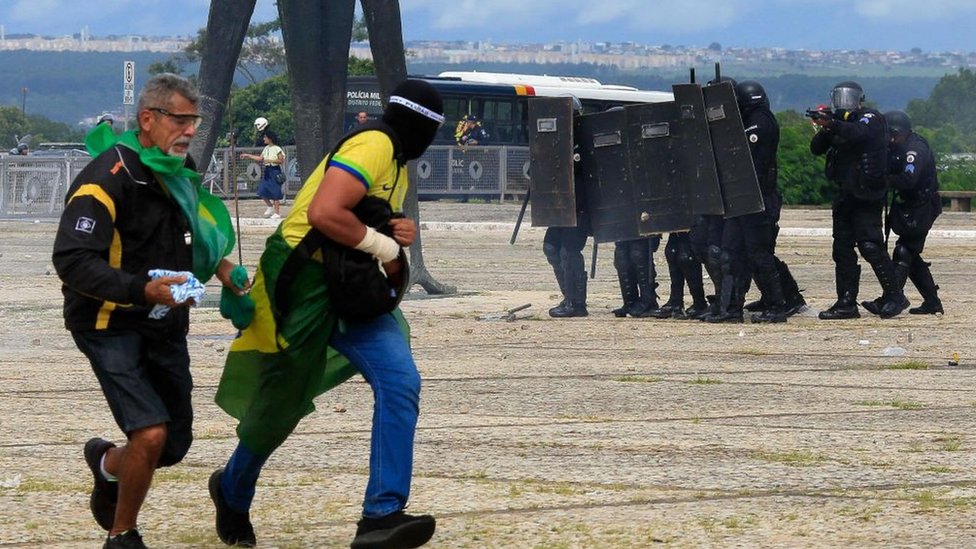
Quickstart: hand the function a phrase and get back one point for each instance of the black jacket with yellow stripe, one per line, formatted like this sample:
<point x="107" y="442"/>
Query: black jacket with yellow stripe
<point x="118" y="224"/>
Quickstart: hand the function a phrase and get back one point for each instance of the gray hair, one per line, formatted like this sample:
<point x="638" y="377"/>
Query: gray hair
<point x="159" y="91"/>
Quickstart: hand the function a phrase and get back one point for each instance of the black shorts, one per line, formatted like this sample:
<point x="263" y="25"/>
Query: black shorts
<point x="146" y="380"/>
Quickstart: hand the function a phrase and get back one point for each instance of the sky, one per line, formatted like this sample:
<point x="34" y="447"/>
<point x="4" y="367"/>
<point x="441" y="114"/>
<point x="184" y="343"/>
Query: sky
<point x="931" y="25"/>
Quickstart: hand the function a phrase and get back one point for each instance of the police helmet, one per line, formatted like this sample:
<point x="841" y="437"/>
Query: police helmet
<point x="750" y="94"/>
<point x="107" y="117"/>
<point x="898" y="122"/>
<point x="847" y="96"/>
<point x="260" y="123"/>
<point x="21" y="147"/>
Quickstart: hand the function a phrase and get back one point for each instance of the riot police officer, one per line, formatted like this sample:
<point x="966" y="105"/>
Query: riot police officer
<point x="916" y="204"/>
<point x="710" y="242"/>
<point x="683" y="268"/>
<point x="563" y="248"/>
<point x="758" y="230"/>
<point x="854" y="139"/>
<point x="634" y="263"/>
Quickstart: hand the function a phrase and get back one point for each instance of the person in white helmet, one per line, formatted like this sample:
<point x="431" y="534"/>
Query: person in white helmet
<point x="260" y="126"/>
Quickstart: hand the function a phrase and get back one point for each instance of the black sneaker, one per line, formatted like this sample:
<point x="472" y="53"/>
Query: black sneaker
<point x="104" y="494"/>
<point x="394" y="531"/>
<point x="130" y="539"/>
<point x="233" y="528"/>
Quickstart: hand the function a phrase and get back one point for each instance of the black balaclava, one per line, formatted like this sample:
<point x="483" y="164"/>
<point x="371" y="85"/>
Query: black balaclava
<point x="415" y="112"/>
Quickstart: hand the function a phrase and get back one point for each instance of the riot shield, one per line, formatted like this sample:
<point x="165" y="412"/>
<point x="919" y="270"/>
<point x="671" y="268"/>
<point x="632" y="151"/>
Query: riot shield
<point x="662" y="197"/>
<point x="551" y="187"/>
<point x="693" y="151"/>
<point x="736" y="173"/>
<point x="603" y="169"/>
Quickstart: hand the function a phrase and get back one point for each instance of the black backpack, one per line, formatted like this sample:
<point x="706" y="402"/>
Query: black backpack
<point x="358" y="287"/>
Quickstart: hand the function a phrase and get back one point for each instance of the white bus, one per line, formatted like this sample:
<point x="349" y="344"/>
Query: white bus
<point x="500" y="100"/>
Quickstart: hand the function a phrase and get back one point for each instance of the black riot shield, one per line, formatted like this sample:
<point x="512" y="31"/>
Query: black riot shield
<point x="662" y="196"/>
<point x="551" y="187"/>
<point x="693" y="150"/>
<point x="603" y="169"/>
<point x="736" y="173"/>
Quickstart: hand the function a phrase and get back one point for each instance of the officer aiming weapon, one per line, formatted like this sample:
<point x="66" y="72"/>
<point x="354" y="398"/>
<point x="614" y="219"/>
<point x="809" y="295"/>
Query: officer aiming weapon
<point x="819" y="113"/>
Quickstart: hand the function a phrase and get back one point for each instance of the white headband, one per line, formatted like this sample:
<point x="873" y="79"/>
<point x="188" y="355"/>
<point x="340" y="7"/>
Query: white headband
<point x="417" y="107"/>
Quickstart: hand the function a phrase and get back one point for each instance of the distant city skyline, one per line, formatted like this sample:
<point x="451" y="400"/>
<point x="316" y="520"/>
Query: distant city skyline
<point x="934" y="25"/>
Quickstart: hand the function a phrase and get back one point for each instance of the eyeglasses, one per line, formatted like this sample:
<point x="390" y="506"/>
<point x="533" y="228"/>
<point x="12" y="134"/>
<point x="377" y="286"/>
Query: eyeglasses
<point x="181" y="120"/>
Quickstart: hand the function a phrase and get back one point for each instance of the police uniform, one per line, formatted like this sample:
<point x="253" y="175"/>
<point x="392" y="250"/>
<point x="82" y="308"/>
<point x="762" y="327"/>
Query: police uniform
<point x="780" y="294"/>
<point x="683" y="268"/>
<point x="563" y="248"/>
<point x="915" y="207"/>
<point x="856" y="146"/>
<point x="634" y="262"/>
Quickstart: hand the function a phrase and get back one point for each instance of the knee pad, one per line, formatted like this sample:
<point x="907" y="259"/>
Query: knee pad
<point x="551" y="252"/>
<point x="714" y="255"/>
<point x="903" y="254"/>
<point x="871" y="251"/>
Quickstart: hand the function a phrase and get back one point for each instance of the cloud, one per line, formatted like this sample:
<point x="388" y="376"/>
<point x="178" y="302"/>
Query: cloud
<point x="912" y="10"/>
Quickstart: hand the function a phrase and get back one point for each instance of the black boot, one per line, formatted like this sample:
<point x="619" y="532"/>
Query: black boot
<point x="894" y="300"/>
<point x="628" y="290"/>
<point x="921" y="277"/>
<point x="877" y="306"/>
<point x="730" y="301"/>
<point x="756" y="306"/>
<point x="671" y="309"/>
<point x="675" y="306"/>
<point x="791" y="290"/>
<point x="561" y="280"/>
<point x="696" y="311"/>
<point x="692" y="271"/>
<point x="575" y="306"/>
<point x="844" y="308"/>
<point x="848" y="284"/>
<point x="646" y="287"/>
<point x="769" y="285"/>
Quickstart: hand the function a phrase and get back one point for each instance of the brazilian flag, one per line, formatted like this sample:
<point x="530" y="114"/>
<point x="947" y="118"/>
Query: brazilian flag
<point x="274" y="371"/>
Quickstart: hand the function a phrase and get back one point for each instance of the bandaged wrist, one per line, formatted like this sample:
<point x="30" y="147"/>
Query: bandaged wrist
<point x="378" y="245"/>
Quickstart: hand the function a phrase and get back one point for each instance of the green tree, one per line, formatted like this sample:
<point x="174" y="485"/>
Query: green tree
<point x="951" y="103"/>
<point x="13" y="125"/>
<point x="44" y="129"/>
<point x="801" y="174"/>
<point x="271" y="98"/>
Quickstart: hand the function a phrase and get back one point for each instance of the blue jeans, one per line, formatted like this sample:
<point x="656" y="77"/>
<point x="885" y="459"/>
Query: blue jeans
<point x="381" y="353"/>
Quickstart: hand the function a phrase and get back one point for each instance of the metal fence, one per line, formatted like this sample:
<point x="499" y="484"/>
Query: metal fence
<point x="35" y="186"/>
<point x="443" y="171"/>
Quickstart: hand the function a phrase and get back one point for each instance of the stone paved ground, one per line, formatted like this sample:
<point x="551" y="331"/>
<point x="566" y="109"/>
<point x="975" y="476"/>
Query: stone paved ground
<point x="581" y="433"/>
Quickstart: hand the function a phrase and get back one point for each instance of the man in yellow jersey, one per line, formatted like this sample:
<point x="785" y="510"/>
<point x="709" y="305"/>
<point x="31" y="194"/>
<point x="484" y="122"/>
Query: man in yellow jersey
<point x="282" y="361"/>
<point x="138" y="209"/>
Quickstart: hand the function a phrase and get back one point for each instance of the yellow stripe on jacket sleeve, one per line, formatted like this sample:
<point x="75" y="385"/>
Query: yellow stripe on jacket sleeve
<point x="99" y="194"/>
<point x="114" y="250"/>
<point x="114" y="261"/>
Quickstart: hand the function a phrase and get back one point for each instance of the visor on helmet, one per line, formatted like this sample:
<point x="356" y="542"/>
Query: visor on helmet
<point x="847" y="99"/>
